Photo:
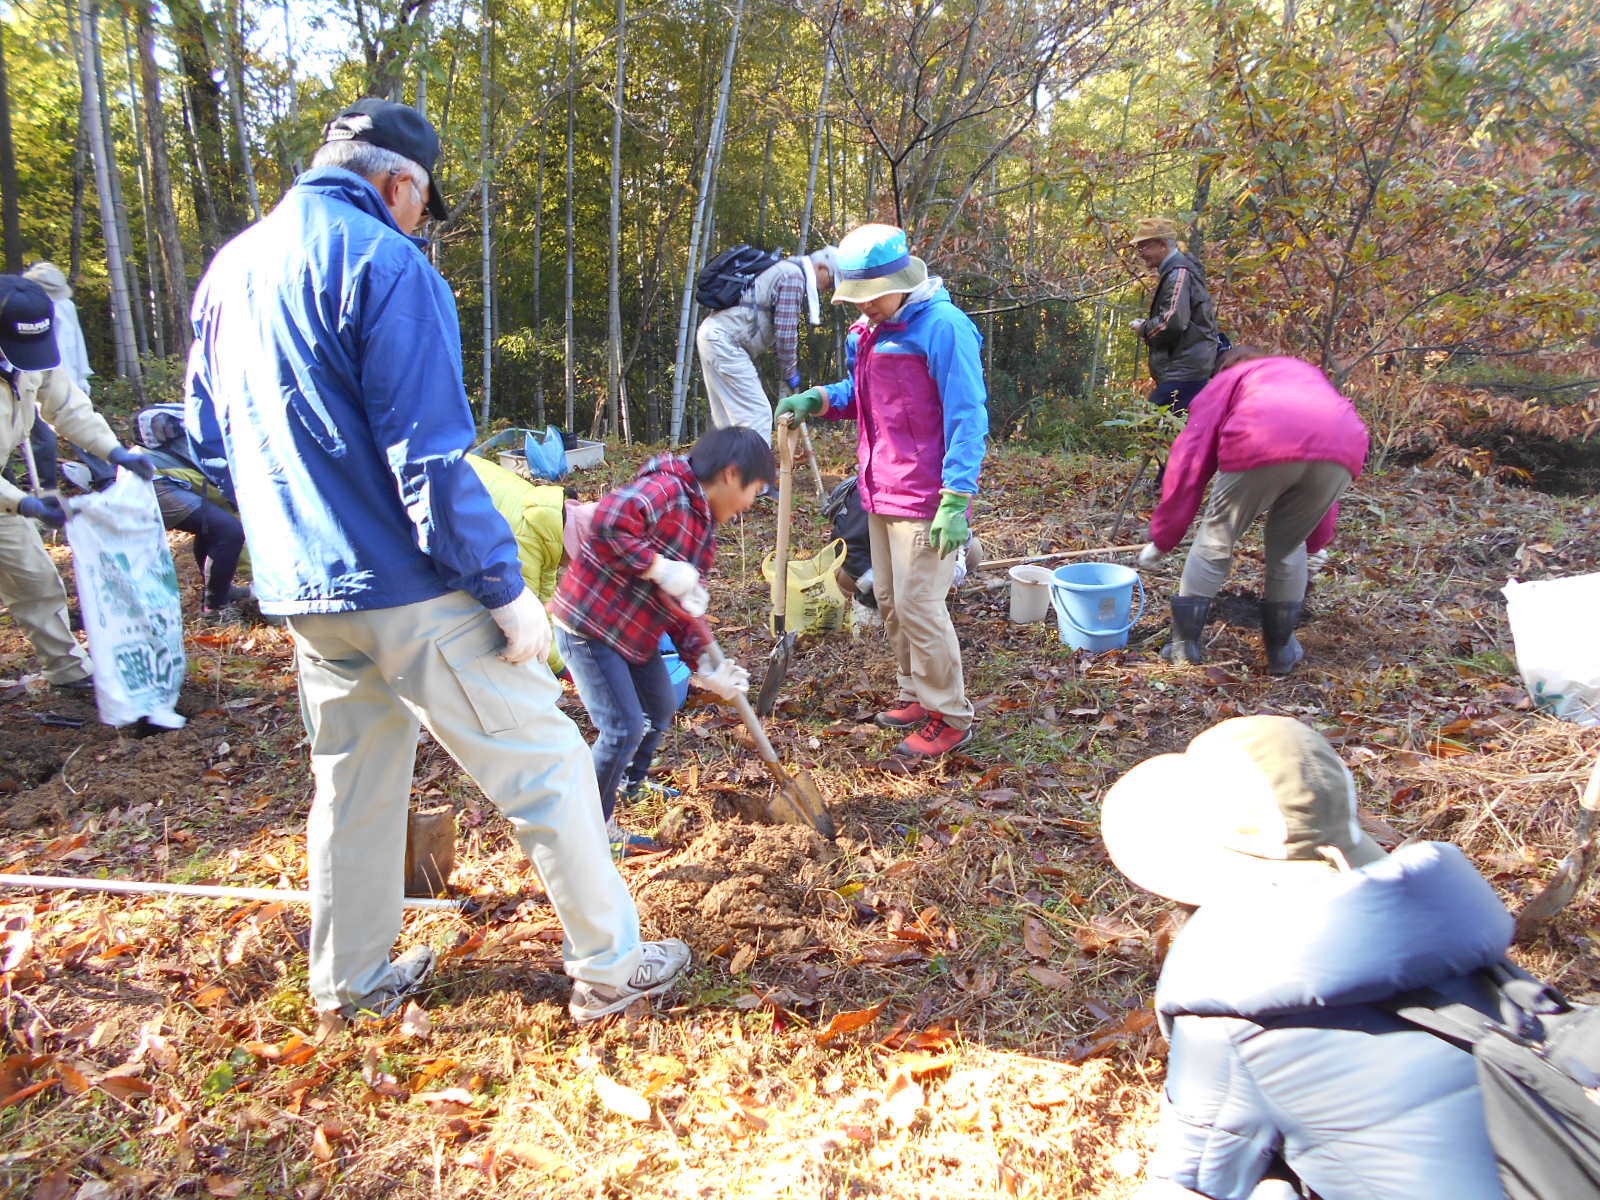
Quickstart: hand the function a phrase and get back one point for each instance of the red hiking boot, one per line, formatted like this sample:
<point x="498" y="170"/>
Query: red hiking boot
<point x="936" y="738"/>
<point x="909" y="715"/>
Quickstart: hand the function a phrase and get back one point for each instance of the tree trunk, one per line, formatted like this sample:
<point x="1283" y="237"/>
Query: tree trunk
<point x="538" y="279"/>
<point x="486" y="166"/>
<point x="766" y="185"/>
<point x="8" y="175"/>
<point x="174" y="269"/>
<point x="222" y="216"/>
<point x="119" y="207"/>
<point x="614" y="283"/>
<point x="205" y="203"/>
<point x="104" y="170"/>
<point x="424" y="29"/>
<point x="233" y="45"/>
<point x="293" y="108"/>
<point x="80" y="153"/>
<point x="816" y="153"/>
<point x="680" y="376"/>
<point x="572" y="76"/>
<point x="154" y="295"/>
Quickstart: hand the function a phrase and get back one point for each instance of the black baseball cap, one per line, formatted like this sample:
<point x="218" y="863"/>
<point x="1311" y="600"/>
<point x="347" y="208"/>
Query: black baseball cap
<point x="396" y="127"/>
<point x="27" y="325"/>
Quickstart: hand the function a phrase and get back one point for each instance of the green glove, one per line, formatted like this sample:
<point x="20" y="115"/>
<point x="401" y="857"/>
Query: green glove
<point x="803" y="404"/>
<point x="950" y="531"/>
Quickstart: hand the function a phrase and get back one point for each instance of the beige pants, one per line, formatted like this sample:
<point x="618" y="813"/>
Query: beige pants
<point x="31" y="590"/>
<point x="367" y="681"/>
<point x="728" y="342"/>
<point x="1295" y="496"/>
<point x="912" y="584"/>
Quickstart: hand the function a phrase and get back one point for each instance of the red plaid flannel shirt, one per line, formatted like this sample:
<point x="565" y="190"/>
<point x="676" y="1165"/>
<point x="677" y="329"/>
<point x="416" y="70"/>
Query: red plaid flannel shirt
<point x="604" y="594"/>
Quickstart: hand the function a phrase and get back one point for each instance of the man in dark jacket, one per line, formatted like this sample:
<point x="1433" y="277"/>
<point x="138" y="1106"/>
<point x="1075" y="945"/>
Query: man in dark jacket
<point x="325" y="392"/>
<point x="1272" y="996"/>
<point x="1181" y="330"/>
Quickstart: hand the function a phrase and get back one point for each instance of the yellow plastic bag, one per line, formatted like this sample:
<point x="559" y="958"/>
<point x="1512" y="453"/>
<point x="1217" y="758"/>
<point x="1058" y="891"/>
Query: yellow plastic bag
<point x="816" y="605"/>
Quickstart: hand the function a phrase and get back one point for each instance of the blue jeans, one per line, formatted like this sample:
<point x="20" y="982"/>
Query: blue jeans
<point x="631" y="707"/>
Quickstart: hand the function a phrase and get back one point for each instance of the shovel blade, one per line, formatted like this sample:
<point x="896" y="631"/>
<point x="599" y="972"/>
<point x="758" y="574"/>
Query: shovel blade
<point x="777" y="668"/>
<point x="798" y="801"/>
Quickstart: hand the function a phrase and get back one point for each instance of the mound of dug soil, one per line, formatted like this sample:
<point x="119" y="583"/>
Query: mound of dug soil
<point x="739" y="884"/>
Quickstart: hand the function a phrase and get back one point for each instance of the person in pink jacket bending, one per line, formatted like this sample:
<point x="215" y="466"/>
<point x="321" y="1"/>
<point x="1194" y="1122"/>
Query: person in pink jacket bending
<point x="1282" y="441"/>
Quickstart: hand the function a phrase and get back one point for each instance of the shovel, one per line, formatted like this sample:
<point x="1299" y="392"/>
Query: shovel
<point x="798" y="800"/>
<point x="783" y="649"/>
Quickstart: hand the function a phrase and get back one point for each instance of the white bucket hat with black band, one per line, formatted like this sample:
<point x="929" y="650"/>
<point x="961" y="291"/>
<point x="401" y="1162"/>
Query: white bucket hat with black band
<point x="1253" y="802"/>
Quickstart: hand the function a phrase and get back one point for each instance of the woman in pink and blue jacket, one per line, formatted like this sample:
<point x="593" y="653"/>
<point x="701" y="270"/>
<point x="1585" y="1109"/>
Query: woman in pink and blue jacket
<point x="915" y="389"/>
<point x="1282" y="441"/>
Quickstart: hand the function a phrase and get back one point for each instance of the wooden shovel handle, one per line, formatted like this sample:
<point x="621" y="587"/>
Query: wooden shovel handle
<point x="714" y="658"/>
<point x="780" y="576"/>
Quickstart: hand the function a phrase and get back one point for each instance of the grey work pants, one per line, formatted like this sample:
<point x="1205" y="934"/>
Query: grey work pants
<point x="729" y="342"/>
<point x="367" y="681"/>
<point x="1294" y="495"/>
<point x="912" y="584"/>
<point x="31" y="590"/>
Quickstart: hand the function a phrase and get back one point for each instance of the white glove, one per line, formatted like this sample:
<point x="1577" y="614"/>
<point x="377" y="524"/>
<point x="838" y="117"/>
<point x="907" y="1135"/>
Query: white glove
<point x="1315" y="562"/>
<point x="1150" y="556"/>
<point x="526" y="627"/>
<point x="681" y="581"/>
<point x="727" y="681"/>
<point x="1137" y="326"/>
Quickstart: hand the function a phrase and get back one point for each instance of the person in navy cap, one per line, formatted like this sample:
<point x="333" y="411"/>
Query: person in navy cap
<point x="916" y="391"/>
<point x="325" y="394"/>
<point x="36" y="385"/>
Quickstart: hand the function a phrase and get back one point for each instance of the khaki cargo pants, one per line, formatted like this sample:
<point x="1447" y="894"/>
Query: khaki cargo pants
<point x="912" y="584"/>
<point x="368" y="682"/>
<point x="31" y="590"/>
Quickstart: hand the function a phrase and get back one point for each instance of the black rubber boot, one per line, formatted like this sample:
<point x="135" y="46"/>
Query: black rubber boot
<point x="1189" y="615"/>
<point x="1278" y="622"/>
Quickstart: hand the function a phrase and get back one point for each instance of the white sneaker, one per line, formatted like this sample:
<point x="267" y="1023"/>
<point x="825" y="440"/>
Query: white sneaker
<point x="409" y="971"/>
<point x="660" y="964"/>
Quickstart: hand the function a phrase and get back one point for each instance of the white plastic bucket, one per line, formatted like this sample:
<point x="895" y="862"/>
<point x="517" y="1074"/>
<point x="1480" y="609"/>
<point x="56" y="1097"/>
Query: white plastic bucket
<point x="1030" y="593"/>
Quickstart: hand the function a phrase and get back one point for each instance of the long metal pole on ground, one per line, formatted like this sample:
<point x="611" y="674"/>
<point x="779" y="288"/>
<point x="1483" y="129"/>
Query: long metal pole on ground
<point x="201" y="891"/>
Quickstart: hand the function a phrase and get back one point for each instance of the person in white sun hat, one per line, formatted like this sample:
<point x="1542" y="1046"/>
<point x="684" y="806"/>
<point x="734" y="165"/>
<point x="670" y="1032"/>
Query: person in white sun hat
<point x="1282" y="1054"/>
<point x="916" y="392"/>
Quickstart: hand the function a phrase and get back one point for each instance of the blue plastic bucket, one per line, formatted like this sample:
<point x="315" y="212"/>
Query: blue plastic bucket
<point x="1094" y="604"/>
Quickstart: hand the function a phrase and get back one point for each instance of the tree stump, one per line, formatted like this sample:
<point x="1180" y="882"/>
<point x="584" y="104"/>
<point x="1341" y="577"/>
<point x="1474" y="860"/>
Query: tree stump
<point x="430" y="851"/>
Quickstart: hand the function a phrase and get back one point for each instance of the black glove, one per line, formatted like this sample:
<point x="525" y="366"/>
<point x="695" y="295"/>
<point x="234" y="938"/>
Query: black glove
<point x="134" y="461"/>
<point x="43" y="508"/>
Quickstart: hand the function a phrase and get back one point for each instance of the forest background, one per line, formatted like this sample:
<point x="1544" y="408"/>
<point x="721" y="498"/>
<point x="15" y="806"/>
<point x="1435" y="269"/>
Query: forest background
<point x="1403" y="192"/>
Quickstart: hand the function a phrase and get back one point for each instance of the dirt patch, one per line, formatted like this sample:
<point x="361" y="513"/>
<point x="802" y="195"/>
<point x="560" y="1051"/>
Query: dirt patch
<point x="739" y="884"/>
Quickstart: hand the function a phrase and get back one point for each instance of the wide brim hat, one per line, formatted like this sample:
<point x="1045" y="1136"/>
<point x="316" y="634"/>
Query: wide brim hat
<point x="1253" y="803"/>
<point x="397" y="127"/>
<point x="1153" y="229"/>
<point x="874" y="261"/>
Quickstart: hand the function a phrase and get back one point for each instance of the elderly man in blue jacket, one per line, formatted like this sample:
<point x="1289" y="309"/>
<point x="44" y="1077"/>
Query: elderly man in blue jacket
<point x="325" y="395"/>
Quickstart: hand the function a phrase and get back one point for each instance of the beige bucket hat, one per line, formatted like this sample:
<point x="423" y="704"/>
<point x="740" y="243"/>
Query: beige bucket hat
<point x="1151" y="228"/>
<point x="1253" y="802"/>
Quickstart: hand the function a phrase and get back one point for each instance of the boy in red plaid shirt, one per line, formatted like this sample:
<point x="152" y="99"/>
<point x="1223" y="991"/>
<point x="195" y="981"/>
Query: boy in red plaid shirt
<point x="654" y="535"/>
